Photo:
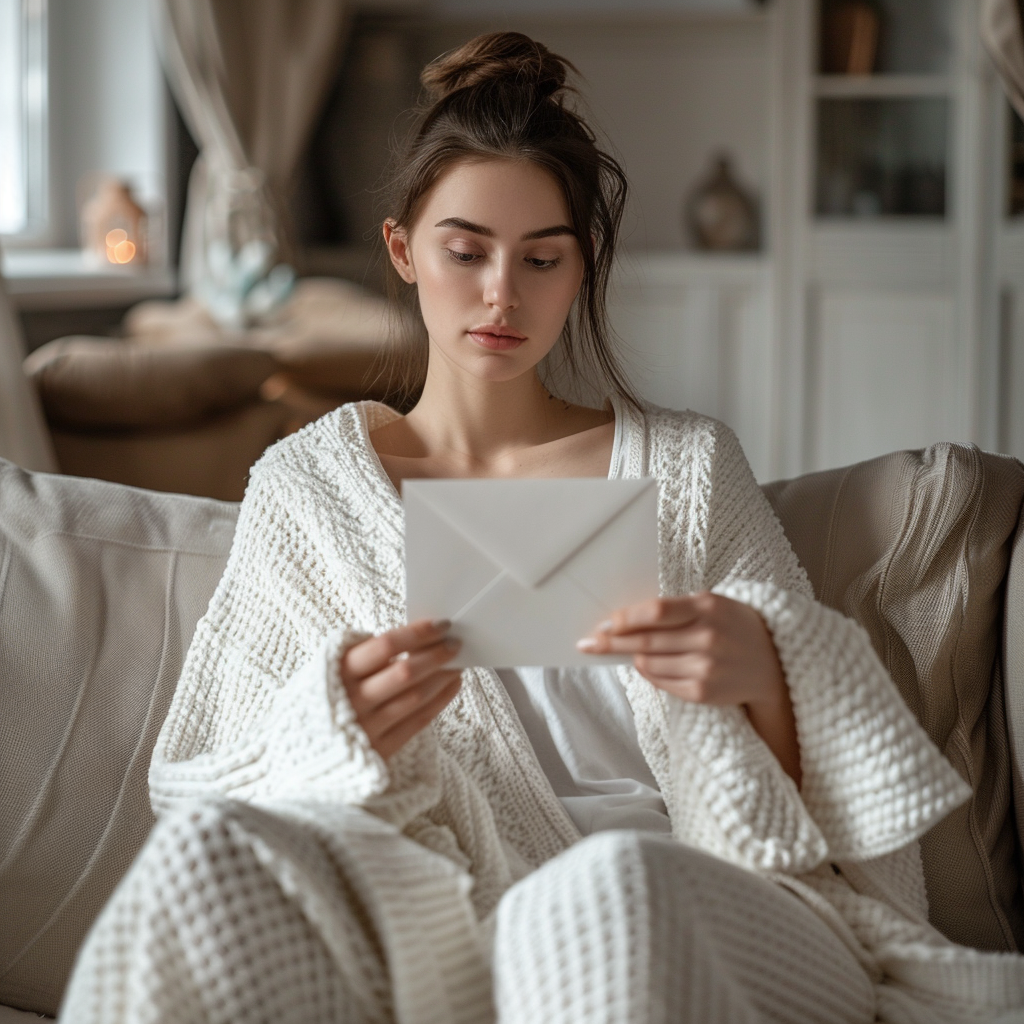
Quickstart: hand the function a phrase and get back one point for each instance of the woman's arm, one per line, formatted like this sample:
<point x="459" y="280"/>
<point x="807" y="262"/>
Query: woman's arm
<point x="870" y="780"/>
<point x="709" y="649"/>
<point x="271" y="702"/>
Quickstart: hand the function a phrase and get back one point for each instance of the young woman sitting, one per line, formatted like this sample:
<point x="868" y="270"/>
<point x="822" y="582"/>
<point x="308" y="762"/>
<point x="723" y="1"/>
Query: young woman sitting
<point x="724" y="831"/>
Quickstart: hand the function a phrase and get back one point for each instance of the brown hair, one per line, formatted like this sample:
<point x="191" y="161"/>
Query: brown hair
<point x="502" y="95"/>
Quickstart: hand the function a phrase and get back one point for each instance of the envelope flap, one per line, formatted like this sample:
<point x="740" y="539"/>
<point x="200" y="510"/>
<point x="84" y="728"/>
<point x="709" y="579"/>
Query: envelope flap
<point x="528" y="527"/>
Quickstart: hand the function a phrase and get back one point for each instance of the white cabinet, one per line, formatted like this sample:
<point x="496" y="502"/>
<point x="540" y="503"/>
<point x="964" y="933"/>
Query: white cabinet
<point x="873" y="321"/>
<point x="887" y="321"/>
<point x="885" y="373"/>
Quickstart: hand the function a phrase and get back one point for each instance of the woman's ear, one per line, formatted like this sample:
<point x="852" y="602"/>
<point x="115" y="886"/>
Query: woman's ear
<point x="397" y="241"/>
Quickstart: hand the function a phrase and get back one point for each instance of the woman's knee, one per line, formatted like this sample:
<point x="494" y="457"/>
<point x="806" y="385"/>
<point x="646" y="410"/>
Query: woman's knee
<point x="630" y="896"/>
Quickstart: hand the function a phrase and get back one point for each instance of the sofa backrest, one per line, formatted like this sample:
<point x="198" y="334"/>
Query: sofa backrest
<point x="916" y="546"/>
<point x="100" y="589"/>
<point x="101" y="586"/>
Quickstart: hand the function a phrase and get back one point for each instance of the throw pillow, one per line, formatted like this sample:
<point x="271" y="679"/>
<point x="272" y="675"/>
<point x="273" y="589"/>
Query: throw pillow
<point x="915" y="546"/>
<point x="101" y="586"/>
<point x="103" y="382"/>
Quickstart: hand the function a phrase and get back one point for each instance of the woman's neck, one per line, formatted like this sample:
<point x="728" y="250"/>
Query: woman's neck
<point x="466" y="427"/>
<point x="483" y="421"/>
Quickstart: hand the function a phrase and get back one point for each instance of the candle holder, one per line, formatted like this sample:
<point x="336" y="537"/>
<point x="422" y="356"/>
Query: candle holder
<point x="114" y="227"/>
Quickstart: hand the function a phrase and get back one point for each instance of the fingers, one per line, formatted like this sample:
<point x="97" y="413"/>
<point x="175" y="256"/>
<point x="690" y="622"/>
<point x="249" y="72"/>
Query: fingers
<point x="396" y="682"/>
<point x="411" y="704"/>
<point x="370" y="656"/>
<point x="403" y="673"/>
<point x="676" y="640"/>
<point x="394" y="739"/>
<point x="660" y="625"/>
<point x="658" y="613"/>
<point x="691" y="677"/>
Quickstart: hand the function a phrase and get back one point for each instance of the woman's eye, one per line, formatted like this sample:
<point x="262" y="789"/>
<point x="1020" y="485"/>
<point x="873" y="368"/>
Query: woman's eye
<point x="540" y="264"/>
<point x="462" y="257"/>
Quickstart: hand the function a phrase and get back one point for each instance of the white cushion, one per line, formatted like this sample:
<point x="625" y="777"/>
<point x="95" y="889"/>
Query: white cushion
<point x="101" y="586"/>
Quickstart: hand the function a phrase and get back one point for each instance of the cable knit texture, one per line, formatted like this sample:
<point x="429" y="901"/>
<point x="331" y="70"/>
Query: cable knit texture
<point x="260" y="717"/>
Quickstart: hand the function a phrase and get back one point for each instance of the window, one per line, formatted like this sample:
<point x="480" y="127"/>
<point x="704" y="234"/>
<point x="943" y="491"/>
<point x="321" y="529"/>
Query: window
<point x="22" y="117"/>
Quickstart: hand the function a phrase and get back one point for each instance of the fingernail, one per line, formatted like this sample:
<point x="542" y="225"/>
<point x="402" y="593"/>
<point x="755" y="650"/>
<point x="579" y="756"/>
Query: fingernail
<point x="588" y="643"/>
<point x="606" y="627"/>
<point x="441" y="625"/>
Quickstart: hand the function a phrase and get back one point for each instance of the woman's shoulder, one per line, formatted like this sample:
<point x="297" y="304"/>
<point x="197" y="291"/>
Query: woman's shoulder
<point x="320" y="462"/>
<point x="679" y="436"/>
<point x="317" y="449"/>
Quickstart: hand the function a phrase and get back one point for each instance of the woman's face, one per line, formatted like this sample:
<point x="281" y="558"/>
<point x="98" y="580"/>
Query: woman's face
<point x="495" y="263"/>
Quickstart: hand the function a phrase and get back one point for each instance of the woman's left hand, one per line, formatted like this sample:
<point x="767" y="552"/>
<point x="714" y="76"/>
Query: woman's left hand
<point x="708" y="649"/>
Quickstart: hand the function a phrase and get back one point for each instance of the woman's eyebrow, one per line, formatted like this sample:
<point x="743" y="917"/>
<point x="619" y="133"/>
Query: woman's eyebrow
<point x="479" y="229"/>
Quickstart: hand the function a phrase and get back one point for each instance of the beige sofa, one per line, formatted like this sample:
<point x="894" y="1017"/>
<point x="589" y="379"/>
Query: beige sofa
<point x="101" y="586"/>
<point x="180" y="405"/>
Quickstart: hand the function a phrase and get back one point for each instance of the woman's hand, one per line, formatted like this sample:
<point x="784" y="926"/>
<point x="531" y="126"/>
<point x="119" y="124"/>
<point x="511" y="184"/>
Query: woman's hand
<point x="708" y="649"/>
<point x="396" y="683"/>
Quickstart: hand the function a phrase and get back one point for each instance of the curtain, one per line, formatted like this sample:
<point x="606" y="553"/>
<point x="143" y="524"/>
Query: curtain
<point x="1002" y="31"/>
<point x="24" y="438"/>
<point x="250" y="77"/>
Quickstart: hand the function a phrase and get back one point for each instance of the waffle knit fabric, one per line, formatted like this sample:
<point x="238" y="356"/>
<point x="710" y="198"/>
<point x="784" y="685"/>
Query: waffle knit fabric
<point x="261" y="719"/>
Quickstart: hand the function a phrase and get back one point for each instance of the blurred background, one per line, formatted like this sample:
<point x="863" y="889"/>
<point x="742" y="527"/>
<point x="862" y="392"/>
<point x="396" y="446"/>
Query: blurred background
<point x="824" y="245"/>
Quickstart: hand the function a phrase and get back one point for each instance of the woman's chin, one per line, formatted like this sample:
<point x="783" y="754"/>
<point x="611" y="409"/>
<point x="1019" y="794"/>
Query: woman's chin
<point x="490" y="365"/>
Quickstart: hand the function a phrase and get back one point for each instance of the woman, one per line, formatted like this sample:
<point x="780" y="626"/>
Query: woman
<point x="351" y="831"/>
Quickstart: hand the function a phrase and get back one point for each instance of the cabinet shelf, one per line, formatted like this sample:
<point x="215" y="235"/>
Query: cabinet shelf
<point x="882" y="86"/>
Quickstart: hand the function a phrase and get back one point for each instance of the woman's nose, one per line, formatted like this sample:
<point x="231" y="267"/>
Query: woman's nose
<point x="500" y="288"/>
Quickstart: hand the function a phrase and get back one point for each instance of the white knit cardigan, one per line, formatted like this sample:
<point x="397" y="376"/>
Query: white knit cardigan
<point x="260" y="716"/>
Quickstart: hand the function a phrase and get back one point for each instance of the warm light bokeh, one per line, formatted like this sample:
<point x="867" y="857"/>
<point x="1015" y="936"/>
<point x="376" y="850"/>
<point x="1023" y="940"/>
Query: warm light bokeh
<point x="124" y="252"/>
<point x="120" y="248"/>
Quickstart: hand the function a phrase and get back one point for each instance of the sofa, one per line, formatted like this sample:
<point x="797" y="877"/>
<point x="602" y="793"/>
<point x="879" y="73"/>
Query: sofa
<point x="101" y="586"/>
<point x="179" y="404"/>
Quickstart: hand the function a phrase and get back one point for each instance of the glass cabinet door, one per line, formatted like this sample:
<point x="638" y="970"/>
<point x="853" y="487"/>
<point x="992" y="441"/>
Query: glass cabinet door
<point x="883" y="99"/>
<point x="882" y="157"/>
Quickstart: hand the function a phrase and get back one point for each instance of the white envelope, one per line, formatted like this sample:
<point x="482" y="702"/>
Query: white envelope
<point x="524" y="568"/>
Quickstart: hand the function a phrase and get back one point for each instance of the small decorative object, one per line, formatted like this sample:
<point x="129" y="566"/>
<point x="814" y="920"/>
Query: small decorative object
<point x="243" y="282"/>
<point x="849" y="37"/>
<point x="719" y="215"/>
<point x="114" y="226"/>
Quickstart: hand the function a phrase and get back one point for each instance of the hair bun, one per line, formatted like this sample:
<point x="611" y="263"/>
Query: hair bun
<point x="497" y="56"/>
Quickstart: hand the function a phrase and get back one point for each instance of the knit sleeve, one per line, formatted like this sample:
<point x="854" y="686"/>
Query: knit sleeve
<point x="260" y="713"/>
<point x="872" y="780"/>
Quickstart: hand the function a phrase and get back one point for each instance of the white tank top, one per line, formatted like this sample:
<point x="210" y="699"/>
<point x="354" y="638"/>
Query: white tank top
<point x="581" y="727"/>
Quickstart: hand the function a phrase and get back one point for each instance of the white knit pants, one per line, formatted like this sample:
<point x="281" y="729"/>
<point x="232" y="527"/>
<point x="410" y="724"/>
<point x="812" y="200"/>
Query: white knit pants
<point x="632" y="928"/>
<point x="235" y="915"/>
<point x="201" y="931"/>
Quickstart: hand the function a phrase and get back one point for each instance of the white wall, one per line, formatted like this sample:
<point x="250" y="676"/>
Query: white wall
<point x="106" y="103"/>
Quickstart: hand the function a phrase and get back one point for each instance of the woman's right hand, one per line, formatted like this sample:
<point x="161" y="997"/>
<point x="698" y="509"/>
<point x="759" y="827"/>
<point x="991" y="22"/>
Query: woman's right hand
<point x="396" y="684"/>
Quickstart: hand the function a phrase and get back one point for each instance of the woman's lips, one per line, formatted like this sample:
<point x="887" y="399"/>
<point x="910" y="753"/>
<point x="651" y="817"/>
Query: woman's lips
<point x="488" y="339"/>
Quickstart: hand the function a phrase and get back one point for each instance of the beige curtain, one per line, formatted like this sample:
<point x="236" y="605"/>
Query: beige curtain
<point x="250" y="77"/>
<point x="24" y="438"/>
<point x="1002" y="30"/>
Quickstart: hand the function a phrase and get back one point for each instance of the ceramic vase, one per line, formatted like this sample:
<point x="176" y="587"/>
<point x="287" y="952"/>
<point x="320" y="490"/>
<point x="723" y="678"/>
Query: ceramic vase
<point x="719" y="215"/>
